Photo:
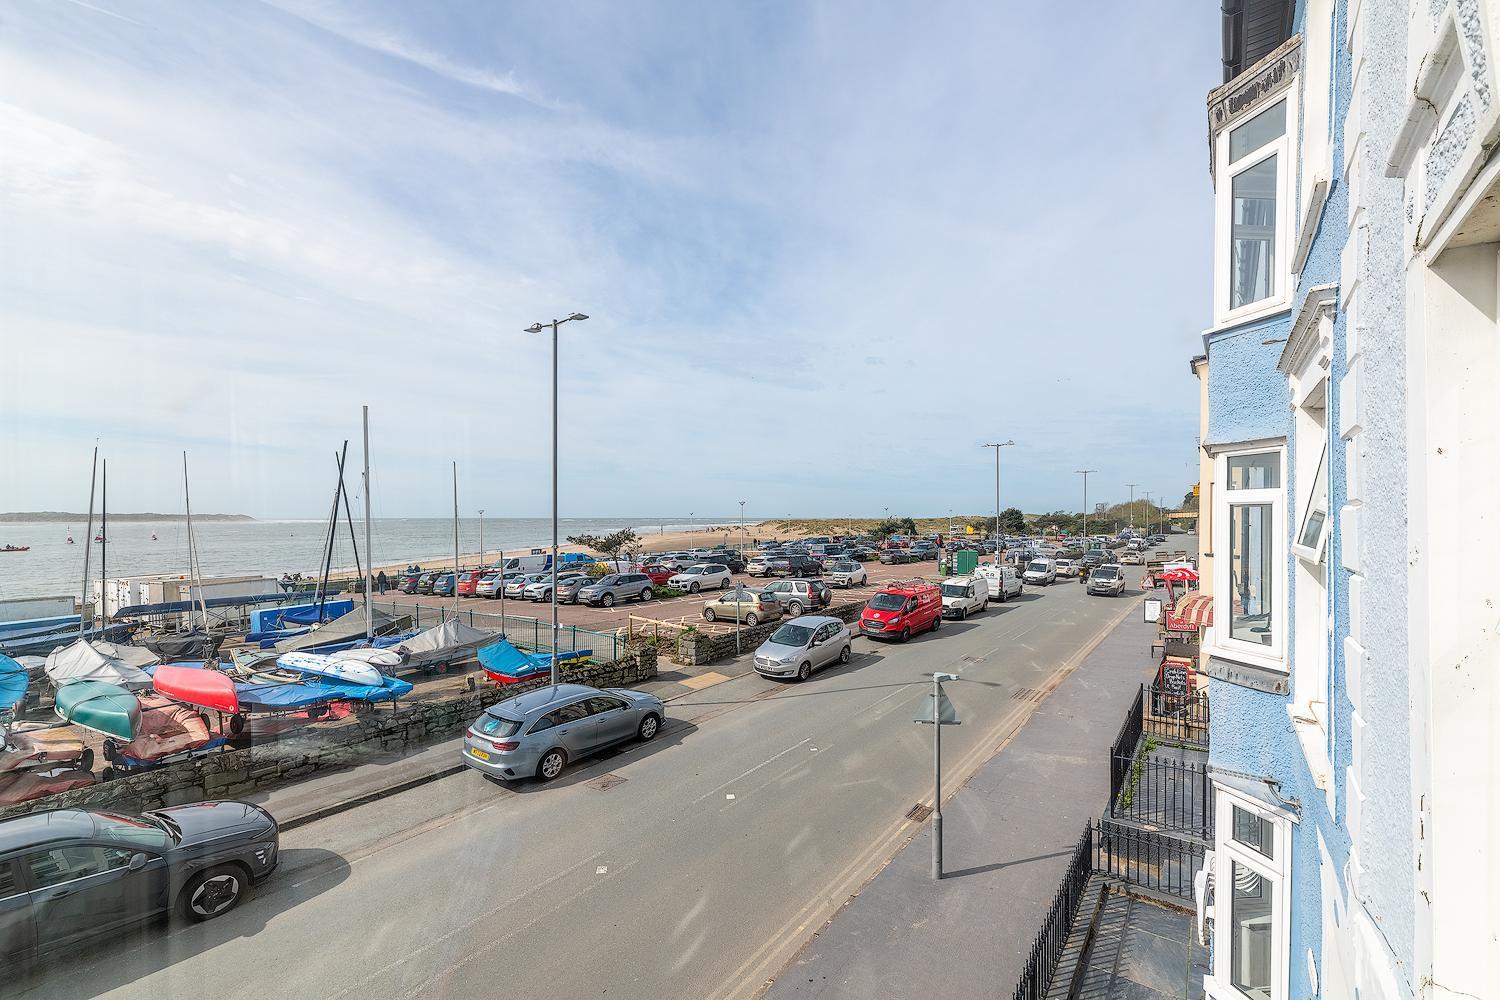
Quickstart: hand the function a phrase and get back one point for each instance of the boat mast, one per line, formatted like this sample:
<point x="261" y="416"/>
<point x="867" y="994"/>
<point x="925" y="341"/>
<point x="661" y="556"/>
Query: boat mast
<point x="369" y="552"/>
<point x="88" y="540"/>
<point x="195" y="578"/>
<point x="455" y="540"/>
<point x="359" y="569"/>
<point x="333" y="524"/>
<point x="103" y="544"/>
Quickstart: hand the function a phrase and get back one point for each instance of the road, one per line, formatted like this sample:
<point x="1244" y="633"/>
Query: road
<point x="758" y="812"/>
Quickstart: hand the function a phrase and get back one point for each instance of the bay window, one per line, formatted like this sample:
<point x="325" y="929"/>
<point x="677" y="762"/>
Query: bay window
<point x="1253" y="172"/>
<point x="1250" y="572"/>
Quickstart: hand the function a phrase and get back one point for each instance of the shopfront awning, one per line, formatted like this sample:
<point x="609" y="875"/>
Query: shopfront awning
<point x="1192" y="611"/>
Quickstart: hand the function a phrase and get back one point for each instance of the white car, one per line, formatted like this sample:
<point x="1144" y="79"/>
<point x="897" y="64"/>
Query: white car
<point x="847" y="573"/>
<point x="542" y="589"/>
<point x="516" y="588"/>
<point x="1132" y="557"/>
<point x="700" y="577"/>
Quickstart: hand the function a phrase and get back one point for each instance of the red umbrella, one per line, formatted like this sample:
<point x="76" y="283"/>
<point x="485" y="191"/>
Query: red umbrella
<point x="1180" y="574"/>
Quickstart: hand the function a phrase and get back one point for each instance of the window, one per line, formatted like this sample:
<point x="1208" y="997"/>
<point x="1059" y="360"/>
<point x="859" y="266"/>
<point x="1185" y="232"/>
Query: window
<point x="7" y="880"/>
<point x="63" y="864"/>
<point x="598" y="706"/>
<point x="1313" y="526"/>
<point x="1252" y="925"/>
<point x="1250" y="575"/>
<point x="1252" y="246"/>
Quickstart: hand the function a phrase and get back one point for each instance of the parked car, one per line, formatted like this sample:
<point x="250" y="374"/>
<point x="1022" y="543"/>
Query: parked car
<point x="923" y="551"/>
<point x="567" y="589"/>
<point x="542" y="589"/>
<point x="794" y="565"/>
<point x="751" y="606"/>
<point x="727" y="557"/>
<point x="538" y="733"/>
<point x="899" y="612"/>
<point x="1004" y="582"/>
<point x="68" y="875"/>
<point x="701" y="577"/>
<point x="1107" y="579"/>
<point x="678" y="561"/>
<point x="1040" y="572"/>
<point x="797" y="596"/>
<point x="408" y="583"/>
<point x="759" y="566"/>
<point x="443" y="586"/>
<point x="468" y="583"/>
<point x="894" y="557"/>
<point x="426" y="581"/>
<point x="515" y="587"/>
<point x="803" y="645"/>
<point x="964" y="596"/>
<point x="1065" y="567"/>
<point x="616" y="587"/>
<point x="658" y="573"/>
<point x="846" y="573"/>
<point x="492" y="586"/>
<point x="863" y="553"/>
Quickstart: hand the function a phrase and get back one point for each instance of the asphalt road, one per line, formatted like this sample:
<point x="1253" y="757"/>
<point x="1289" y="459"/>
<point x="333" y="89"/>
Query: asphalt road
<point x="758" y="812"/>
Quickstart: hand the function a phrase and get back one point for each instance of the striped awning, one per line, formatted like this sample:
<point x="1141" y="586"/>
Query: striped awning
<point x="1192" y="611"/>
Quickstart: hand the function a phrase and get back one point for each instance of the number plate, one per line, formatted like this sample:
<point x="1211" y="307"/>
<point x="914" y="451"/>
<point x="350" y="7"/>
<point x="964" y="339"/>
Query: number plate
<point x="480" y="754"/>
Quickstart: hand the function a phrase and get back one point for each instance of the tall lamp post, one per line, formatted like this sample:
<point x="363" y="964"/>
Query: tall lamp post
<point x="538" y="328"/>
<point x="481" y="538"/>
<point x="1085" y="474"/>
<point x="742" y="527"/>
<point x="997" y="447"/>
<point x="1132" y="504"/>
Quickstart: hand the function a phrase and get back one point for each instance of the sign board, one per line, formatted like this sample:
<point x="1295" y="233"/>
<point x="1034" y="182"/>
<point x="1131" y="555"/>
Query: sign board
<point x="1098" y="508"/>
<point x="1195" y="489"/>
<point x="946" y="714"/>
<point x="536" y="552"/>
<point x="1176" y="681"/>
<point x="1152" y="614"/>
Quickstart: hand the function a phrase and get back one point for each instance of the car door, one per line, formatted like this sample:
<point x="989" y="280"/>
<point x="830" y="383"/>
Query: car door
<point x="17" y="928"/>
<point x="827" y="651"/>
<point x="80" y="890"/>
<point x="569" y="727"/>
<point x="611" y="720"/>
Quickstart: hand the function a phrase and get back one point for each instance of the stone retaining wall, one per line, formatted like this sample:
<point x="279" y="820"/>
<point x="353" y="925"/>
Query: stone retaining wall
<point x="697" y="648"/>
<point x="377" y="730"/>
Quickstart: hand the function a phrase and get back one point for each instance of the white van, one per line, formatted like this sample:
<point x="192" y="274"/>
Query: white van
<point x="1004" y="581"/>
<point x="965" y="595"/>
<point x="528" y="564"/>
<point x="1040" y="572"/>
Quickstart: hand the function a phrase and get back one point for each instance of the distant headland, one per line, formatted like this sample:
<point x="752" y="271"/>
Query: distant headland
<point x="69" y="517"/>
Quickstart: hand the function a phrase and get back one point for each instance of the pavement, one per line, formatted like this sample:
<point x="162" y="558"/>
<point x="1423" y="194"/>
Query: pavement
<point x="692" y="866"/>
<point x="1008" y="834"/>
<point x="1142" y="950"/>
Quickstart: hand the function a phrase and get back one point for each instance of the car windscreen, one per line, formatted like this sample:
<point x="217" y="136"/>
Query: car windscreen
<point x="955" y="590"/>
<point x="1106" y="573"/>
<point x="845" y="567"/>
<point x="1037" y="566"/>
<point x="136" y="831"/>
<point x="792" y="635"/>
<point x="887" y="602"/>
<point x="498" y="725"/>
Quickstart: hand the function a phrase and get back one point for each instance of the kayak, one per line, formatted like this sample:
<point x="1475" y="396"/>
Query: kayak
<point x="196" y="686"/>
<point x="347" y="671"/>
<point x="104" y="708"/>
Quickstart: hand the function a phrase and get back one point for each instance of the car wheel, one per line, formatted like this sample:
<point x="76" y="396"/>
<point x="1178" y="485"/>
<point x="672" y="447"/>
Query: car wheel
<point x="86" y="760"/>
<point x="724" y="583"/>
<point x="551" y="765"/>
<point x="647" y="594"/>
<point x="794" y="608"/>
<point x="708" y="614"/>
<point x="608" y="600"/>
<point x="213" y="893"/>
<point x="963" y="613"/>
<point x="751" y="619"/>
<point x="804" y="671"/>
<point x="693" y="587"/>
<point x="650" y="726"/>
<point x="905" y="634"/>
<point x="846" y="654"/>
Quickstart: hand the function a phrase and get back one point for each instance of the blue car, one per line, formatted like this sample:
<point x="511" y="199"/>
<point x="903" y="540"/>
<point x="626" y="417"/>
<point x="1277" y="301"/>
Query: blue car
<point x="443" y="586"/>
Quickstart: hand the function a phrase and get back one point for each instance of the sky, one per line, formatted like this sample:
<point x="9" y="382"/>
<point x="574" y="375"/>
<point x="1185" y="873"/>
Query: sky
<point x="828" y="251"/>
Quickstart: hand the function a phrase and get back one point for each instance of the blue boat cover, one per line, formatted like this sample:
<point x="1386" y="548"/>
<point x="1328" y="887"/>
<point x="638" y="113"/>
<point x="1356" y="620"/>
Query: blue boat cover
<point x="503" y="658"/>
<point x="13" y="681"/>
<point x="290" y="696"/>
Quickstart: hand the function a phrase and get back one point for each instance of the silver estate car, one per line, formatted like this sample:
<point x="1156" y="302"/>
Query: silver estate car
<point x="542" y="589"/>
<point x="538" y="733"/>
<point x="803" y="645"/>
<point x="616" y="587"/>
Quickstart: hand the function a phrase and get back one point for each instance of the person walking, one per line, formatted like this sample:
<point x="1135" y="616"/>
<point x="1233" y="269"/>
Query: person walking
<point x="382" y="582"/>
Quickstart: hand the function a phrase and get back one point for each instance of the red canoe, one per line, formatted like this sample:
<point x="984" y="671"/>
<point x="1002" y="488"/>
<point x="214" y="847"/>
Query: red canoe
<point x="194" y="686"/>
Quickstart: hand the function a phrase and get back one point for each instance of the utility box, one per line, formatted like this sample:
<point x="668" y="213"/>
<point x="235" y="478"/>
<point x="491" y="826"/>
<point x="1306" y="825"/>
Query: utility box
<point x="964" y="561"/>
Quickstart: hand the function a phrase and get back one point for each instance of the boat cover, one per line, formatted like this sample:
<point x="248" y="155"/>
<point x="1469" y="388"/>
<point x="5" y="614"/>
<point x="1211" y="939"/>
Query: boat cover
<point x="23" y="786"/>
<point x="167" y="728"/>
<point x="13" y="682"/>
<point x="183" y="645"/>
<point x="347" y="630"/>
<point x="443" y="642"/>
<point x="97" y="660"/>
<point x="506" y="664"/>
<point x="104" y="708"/>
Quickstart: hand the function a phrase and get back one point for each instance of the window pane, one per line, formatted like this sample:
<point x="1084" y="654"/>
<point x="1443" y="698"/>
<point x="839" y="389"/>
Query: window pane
<point x="1255" y="133"/>
<point x="1251" y="542"/>
<point x="1255" y="472"/>
<point x="1252" y="239"/>
<point x="1250" y="930"/>
<point x="1253" y="831"/>
<point x="1315" y="515"/>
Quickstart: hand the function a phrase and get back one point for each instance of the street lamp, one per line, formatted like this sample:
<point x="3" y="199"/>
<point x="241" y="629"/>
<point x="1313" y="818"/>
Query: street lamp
<point x="538" y="328"/>
<point x="1132" y="505"/>
<point x="997" y="447"/>
<point x="1085" y="474"/>
<point x="481" y="538"/>
<point x="742" y="529"/>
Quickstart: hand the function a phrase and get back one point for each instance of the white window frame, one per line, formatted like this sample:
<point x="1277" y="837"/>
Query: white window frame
<point x="1281" y="148"/>
<point x="1275" y="870"/>
<point x="1271" y="656"/>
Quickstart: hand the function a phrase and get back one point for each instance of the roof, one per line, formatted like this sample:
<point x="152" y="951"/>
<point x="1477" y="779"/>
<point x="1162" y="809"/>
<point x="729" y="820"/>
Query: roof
<point x="1252" y="29"/>
<point x="546" y="697"/>
<point x="813" y="621"/>
<point x="38" y="828"/>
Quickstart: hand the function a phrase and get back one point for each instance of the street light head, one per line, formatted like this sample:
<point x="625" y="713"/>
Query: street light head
<point x="578" y="316"/>
<point x="534" y="328"/>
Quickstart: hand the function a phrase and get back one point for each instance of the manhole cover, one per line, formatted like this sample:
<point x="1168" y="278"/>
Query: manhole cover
<point x="919" y="812"/>
<point x="1027" y="694"/>
<point x="605" y="782"/>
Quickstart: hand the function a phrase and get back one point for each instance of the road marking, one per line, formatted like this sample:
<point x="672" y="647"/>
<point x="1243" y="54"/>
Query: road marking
<point x="757" y="767"/>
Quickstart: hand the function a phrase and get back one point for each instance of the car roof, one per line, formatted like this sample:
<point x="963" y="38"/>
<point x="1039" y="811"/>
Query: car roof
<point x="813" y="621"/>
<point x="40" y="828"/>
<point x="542" y="699"/>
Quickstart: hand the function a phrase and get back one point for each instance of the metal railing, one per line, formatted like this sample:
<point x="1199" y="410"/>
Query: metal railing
<point x="1122" y="751"/>
<point x="1148" y="859"/>
<point x="1176" y="717"/>
<point x="1171" y="794"/>
<point x="1036" y="977"/>
<point x="530" y="634"/>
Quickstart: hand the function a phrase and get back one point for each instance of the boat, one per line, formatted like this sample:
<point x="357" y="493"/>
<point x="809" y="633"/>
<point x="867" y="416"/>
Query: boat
<point x="70" y="536"/>
<point x="440" y="647"/>
<point x="99" y="538"/>
<point x="167" y="732"/>
<point x="505" y="664"/>
<point x="193" y="685"/>
<point x="104" y="708"/>
<point x="153" y="536"/>
<point x="45" y="748"/>
<point x="14" y="680"/>
<point x="23" y="786"/>
<point x="97" y="660"/>
<point x="339" y="671"/>
<point x="380" y="659"/>
<point x="16" y="548"/>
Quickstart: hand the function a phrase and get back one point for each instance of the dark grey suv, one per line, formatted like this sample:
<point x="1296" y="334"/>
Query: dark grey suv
<point x="794" y="565"/>
<point x="67" y="875"/>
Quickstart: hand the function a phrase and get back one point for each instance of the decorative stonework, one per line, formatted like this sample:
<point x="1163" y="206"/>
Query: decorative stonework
<point x="1272" y="75"/>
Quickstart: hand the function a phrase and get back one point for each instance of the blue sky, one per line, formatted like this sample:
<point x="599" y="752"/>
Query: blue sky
<point x="828" y="249"/>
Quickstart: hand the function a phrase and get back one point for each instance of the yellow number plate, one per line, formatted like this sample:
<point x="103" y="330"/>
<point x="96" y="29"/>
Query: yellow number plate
<point x="480" y="754"/>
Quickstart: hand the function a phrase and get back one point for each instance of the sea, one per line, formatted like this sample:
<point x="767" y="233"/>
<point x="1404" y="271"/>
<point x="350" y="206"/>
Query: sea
<point x="241" y="548"/>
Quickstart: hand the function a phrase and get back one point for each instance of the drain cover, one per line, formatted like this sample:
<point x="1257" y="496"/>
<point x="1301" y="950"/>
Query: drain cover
<point x="918" y="813"/>
<point x="605" y="782"/>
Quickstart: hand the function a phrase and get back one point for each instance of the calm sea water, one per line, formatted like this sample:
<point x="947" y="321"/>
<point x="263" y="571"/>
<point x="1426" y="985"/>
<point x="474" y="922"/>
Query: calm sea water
<point x="268" y="547"/>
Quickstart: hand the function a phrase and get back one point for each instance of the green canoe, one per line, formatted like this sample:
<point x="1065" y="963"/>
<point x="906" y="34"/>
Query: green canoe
<point x="104" y="708"/>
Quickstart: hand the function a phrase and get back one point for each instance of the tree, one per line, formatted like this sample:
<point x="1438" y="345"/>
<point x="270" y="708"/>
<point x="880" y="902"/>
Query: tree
<point x="908" y="526"/>
<point x="888" y="527"/>
<point x="1190" y="499"/>
<point x="611" y="545"/>
<point x="1012" y="521"/>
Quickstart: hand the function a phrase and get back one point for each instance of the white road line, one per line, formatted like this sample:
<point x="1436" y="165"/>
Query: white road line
<point x="757" y="767"/>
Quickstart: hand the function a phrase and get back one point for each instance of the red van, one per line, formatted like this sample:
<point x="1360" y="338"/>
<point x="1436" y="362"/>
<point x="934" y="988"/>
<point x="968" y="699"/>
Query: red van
<point x="901" y="610"/>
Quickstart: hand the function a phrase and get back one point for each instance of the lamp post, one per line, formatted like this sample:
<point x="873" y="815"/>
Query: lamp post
<point x="997" y="447"/>
<point x="1085" y="474"/>
<point x="1132" y="505"/>
<point x="742" y="527"/>
<point x="538" y="328"/>
<point x="481" y="538"/>
<point x="937" y="712"/>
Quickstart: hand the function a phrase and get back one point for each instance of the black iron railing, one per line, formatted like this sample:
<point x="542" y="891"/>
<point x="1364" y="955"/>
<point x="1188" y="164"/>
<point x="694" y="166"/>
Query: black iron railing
<point x="1163" y="791"/>
<point x="1172" y="715"/>
<point x="1053" y="936"/>
<point x="1123" y="751"/>
<point x="1148" y="859"/>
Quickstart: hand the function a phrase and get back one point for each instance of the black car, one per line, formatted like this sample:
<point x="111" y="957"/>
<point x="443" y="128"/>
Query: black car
<point x="67" y="875"/>
<point x="793" y="564"/>
<point x="733" y="560"/>
<point x="426" y="582"/>
<point x="894" y="557"/>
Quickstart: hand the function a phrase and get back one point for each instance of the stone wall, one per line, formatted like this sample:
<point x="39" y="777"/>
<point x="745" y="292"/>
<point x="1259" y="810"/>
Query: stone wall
<point x="697" y="648"/>
<point x="377" y="730"/>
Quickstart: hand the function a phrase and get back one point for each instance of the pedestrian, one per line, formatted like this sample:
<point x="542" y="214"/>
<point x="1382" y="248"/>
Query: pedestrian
<point x="382" y="582"/>
<point x="286" y="583"/>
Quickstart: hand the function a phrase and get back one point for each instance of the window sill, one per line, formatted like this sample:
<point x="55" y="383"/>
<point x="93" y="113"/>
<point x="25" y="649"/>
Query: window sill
<point x="1250" y="314"/>
<point x="1266" y="674"/>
